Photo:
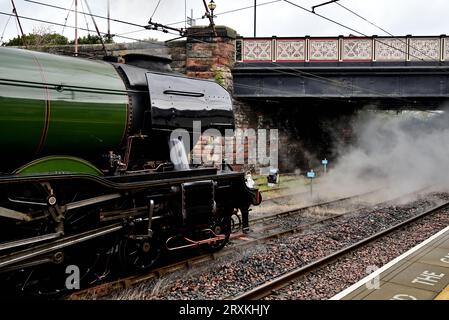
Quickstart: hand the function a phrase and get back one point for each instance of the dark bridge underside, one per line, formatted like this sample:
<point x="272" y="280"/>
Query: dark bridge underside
<point x="405" y="85"/>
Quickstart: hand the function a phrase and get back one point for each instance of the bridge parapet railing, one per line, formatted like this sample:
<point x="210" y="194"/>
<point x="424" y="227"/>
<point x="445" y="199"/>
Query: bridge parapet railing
<point x="343" y="49"/>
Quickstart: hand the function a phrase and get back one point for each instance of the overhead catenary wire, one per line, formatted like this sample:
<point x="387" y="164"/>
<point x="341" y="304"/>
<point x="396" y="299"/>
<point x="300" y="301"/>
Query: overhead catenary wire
<point x="132" y="32"/>
<point x="85" y="16"/>
<point x="323" y="4"/>
<point x="84" y="29"/>
<point x="67" y="17"/>
<point x="364" y="19"/>
<point x="4" y="29"/>
<point x="155" y="9"/>
<point x="143" y="27"/>
<point x="216" y="14"/>
<point x="93" y="15"/>
<point x="349" y="28"/>
<point x="383" y="30"/>
<point x="230" y="11"/>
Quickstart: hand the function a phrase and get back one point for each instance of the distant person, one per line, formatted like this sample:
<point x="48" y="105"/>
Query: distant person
<point x="245" y="211"/>
<point x="249" y="180"/>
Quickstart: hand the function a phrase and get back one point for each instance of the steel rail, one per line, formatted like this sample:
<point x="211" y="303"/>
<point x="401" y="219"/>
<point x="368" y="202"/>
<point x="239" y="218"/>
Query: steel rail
<point x="284" y="280"/>
<point x="307" y="207"/>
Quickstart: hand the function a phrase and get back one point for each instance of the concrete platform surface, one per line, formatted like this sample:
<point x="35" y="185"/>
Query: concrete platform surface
<point x="422" y="273"/>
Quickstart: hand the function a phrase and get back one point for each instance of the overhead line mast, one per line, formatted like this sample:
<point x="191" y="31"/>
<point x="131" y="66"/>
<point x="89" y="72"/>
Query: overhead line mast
<point x="255" y="18"/>
<point x="17" y="17"/>
<point x="109" y="37"/>
<point x="96" y="27"/>
<point x="76" y="28"/>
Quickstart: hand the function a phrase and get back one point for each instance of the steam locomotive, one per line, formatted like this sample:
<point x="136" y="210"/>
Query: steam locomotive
<point x="87" y="169"/>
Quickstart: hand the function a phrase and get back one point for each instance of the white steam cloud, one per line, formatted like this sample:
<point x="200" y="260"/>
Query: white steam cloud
<point x="403" y="151"/>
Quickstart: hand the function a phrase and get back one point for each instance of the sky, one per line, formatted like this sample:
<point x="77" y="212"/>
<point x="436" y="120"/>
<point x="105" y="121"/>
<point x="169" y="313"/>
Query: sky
<point x="399" y="17"/>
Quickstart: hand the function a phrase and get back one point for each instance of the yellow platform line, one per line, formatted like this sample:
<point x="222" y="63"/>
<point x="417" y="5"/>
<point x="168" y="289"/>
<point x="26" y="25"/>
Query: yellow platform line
<point x="444" y="295"/>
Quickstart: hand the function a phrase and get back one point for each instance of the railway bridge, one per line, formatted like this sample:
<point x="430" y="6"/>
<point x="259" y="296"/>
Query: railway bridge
<point x="409" y="71"/>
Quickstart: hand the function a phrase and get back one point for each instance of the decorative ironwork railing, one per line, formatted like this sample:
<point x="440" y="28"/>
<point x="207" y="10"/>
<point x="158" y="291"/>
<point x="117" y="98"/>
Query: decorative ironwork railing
<point x="343" y="49"/>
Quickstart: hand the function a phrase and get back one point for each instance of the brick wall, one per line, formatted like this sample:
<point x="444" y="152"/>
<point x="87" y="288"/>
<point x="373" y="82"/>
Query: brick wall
<point x="209" y="56"/>
<point x="96" y="51"/>
<point x="178" y="53"/>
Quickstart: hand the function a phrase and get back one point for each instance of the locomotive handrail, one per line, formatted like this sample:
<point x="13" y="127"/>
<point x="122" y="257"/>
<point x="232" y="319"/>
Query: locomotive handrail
<point x="184" y="93"/>
<point x="57" y="87"/>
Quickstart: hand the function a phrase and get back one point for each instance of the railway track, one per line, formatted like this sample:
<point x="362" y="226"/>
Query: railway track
<point x="269" y="287"/>
<point x="273" y="190"/>
<point x="307" y="207"/>
<point x="107" y="288"/>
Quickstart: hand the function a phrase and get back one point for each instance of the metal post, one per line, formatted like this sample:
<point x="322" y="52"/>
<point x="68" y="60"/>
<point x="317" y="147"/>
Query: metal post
<point x="109" y="21"/>
<point x="17" y="17"/>
<point x="185" y="14"/>
<point x="324" y="162"/>
<point x="255" y="18"/>
<point x="76" y="28"/>
<point x="311" y="175"/>
<point x="96" y="28"/>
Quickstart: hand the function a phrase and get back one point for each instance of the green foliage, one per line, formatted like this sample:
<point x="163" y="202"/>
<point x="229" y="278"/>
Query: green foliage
<point x="35" y="39"/>
<point x="89" y="39"/>
<point x="218" y="76"/>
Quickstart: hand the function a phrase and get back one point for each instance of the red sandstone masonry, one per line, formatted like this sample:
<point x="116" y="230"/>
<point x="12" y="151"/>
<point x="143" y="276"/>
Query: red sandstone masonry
<point x="208" y="57"/>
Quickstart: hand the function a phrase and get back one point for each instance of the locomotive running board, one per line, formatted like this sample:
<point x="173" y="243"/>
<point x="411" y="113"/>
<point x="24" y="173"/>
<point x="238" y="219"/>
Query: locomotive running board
<point x="30" y="253"/>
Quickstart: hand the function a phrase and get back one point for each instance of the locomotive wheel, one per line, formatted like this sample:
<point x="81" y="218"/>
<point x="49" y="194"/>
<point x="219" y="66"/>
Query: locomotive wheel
<point x="44" y="281"/>
<point x="139" y="255"/>
<point x="49" y="280"/>
<point x="224" y="226"/>
<point x="236" y="222"/>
